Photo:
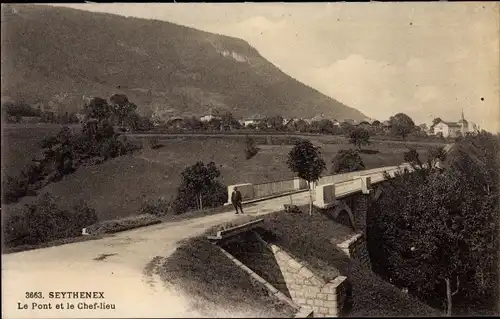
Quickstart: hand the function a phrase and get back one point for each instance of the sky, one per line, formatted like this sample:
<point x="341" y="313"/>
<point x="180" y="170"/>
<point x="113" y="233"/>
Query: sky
<point x="424" y="59"/>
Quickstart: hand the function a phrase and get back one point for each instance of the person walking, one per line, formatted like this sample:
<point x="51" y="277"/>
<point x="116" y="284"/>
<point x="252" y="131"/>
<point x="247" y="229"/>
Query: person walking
<point x="236" y="200"/>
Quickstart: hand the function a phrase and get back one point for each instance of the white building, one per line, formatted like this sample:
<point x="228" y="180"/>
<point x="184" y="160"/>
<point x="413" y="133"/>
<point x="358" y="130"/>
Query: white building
<point x="447" y="129"/>
<point x="454" y="129"/>
<point x="254" y="120"/>
<point x="208" y="118"/>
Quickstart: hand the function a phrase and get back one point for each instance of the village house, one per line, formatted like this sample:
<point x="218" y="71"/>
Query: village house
<point x="176" y="122"/>
<point x="209" y="117"/>
<point x="454" y="129"/>
<point x="253" y="120"/>
<point x="447" y="129"/>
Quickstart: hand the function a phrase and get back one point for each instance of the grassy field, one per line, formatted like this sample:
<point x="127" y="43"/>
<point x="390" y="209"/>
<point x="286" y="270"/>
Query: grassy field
<point x="118" y="187"/>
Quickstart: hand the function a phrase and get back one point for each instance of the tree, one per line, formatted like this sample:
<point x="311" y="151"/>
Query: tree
<point x="377" y="127"/>
<point x="413" y="158"/>
<point x="437" y="232"/>
<point x="347" y="161"/>
<point x="305" y="160"/>
<point x="301" y="126"/>
<point x="97" y="108"/>
<point x="401" y="125"/>
<point x="262" y="126"/>
<point x="250" y="149"/>
<point x="325" y="126"/>
<point x="346" y="127"/>
<point x="275" y="122"/>
<point x="228" y="122"/>
<point x="435" y="155"/>
<point x="122" y="108"/>
<point x="193" y="123"/>
<point x="198" y="186"/>
<point x="214" y="124"/>
<point x="359" y="137"/>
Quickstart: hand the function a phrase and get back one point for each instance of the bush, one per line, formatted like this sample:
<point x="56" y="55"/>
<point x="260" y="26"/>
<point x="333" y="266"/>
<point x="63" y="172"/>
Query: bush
<point x="13" y="188"/>
<point x="44" y="221"/>
<point x="200" y="188"/>
<point x="250" y="149"/>
<point x="412" y="157"/>
<point x="359" y="137"/>
<point x="114" y="226"/>
<point x="160" y="207"/>
<point x="347" y="161"/>
<point x="187" y="201"/>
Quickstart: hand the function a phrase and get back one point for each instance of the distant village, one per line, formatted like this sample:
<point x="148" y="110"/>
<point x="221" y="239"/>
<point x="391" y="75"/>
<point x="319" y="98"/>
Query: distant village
<point x="260" y="122"/>
<point x="217" y="120"/>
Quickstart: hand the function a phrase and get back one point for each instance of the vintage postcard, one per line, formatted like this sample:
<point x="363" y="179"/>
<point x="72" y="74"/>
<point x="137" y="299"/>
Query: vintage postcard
<point x="250" y="159"/>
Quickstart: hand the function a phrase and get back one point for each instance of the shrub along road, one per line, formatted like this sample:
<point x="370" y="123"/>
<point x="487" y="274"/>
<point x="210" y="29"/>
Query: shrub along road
<point x="114" y="265"/>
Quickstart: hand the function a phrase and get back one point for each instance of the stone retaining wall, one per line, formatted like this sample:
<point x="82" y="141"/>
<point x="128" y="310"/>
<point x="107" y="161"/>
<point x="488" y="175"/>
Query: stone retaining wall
<point x="278" y="294"/>
<point x="355" y="248"/>
<point x="308" y="290"/>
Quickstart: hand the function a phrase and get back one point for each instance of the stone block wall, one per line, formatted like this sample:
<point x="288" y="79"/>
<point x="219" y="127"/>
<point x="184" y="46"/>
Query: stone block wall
<point x="308" y="290"/>
<point x="355" y="248"/>
<point x="361" y="203"/>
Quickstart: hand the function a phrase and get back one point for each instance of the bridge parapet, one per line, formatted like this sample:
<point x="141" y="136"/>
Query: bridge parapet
<point x="354" y="181"/>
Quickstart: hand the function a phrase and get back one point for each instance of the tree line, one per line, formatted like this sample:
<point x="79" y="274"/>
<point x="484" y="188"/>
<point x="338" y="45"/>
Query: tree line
<point x="14" y="111"/>
<point x="64" y="152"/>
<point x="435" y="231"/>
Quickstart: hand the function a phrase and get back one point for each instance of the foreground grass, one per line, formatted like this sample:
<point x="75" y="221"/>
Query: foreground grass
<point x="203" y="272"/>
<point x="57" y="242"/>
<point x="114" y="226"/>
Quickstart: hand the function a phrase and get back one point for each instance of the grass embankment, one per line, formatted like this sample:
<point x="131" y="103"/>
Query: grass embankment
<point x="58" y="242"/>
<point x="207" y="275"/>
<point x="310" y="239"/>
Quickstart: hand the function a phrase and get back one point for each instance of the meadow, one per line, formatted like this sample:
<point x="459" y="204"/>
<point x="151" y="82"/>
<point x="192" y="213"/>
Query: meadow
<point x="118" y="187"/>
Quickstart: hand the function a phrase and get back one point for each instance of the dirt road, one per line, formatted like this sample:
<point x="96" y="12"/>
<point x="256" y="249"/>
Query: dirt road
<point x="113" y="265"/>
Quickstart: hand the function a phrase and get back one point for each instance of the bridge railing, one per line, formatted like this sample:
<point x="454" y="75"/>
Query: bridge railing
<point x="344" y="181"/>
<point x="274" y="188"/>
<point x="327" y="194"/>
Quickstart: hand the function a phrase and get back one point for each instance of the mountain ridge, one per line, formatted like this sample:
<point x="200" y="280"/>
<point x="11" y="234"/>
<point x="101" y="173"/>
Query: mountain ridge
<point x="56" y="56"/>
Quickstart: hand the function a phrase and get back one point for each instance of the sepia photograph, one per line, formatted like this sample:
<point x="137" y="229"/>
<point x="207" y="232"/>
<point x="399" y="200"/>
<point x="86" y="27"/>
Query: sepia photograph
<point x="232" y="160"/>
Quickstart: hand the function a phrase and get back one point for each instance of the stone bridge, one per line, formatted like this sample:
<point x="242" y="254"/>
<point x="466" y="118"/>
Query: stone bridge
<point x="345" y="196"/>
<point x="336" y="193"/>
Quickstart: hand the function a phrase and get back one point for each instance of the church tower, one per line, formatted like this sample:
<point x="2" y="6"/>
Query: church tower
<point x="464" y="125"/>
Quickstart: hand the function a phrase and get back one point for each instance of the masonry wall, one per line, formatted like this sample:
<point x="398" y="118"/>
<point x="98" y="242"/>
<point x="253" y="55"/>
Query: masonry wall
<point x="307" y="289"/>
<point x="361" y="208"/>
<point x="355" y="248"/>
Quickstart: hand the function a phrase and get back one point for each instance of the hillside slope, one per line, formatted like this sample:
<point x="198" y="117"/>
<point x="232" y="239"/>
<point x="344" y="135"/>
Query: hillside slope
<point x="56" y="55"/>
